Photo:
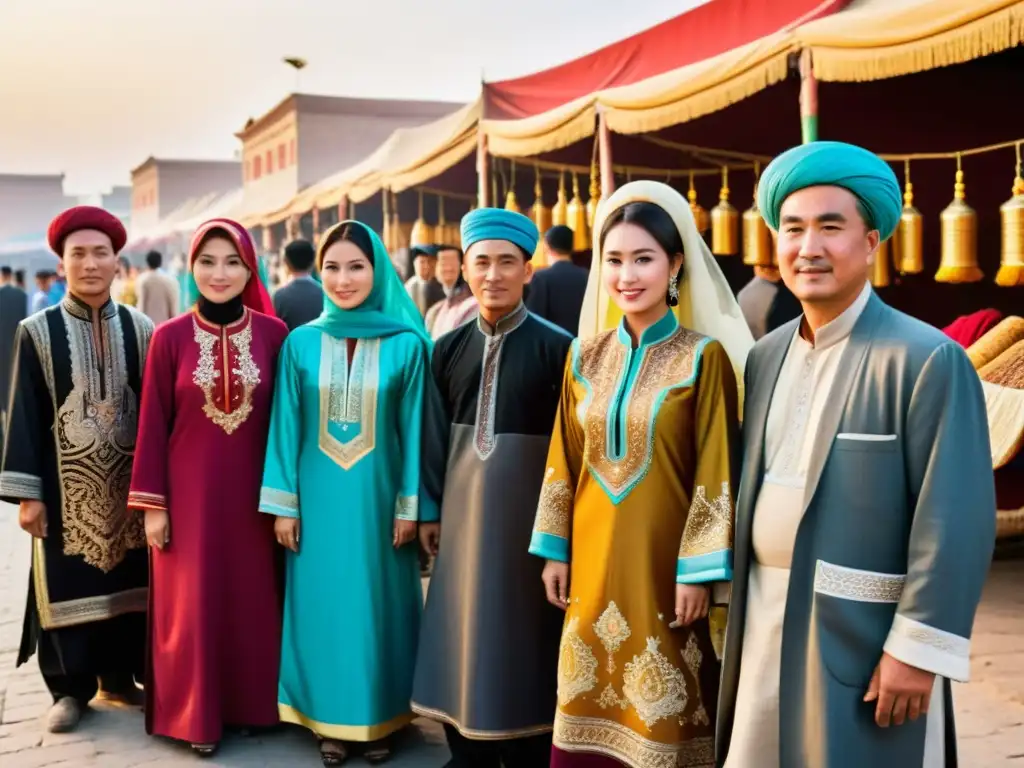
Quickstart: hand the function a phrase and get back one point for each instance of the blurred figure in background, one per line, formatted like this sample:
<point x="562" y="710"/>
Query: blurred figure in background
<point x="300" y="300"/>
<point x="13" y="308"/>
<point x="41" y="298"/>
<point x="458" y="305"/>
<point x="556" y="293"/>
<point x="157" y="292"/>
<point x="766" y="302"/>
<point x="423" y="286"/>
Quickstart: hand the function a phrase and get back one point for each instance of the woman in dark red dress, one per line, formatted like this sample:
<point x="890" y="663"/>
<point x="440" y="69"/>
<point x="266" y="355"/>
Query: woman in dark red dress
<point x="214" y="611"/>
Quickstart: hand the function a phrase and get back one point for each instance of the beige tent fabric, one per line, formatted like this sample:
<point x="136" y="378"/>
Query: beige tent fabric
<point x="409" y="156"/>
<point x="875" y="39"/>
<point x="697" y="89"/>
<point x="542" y="133"/>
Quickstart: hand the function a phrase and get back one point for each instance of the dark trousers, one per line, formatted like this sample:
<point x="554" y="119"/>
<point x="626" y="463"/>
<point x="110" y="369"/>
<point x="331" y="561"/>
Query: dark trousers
<point x="76" y="661"/>
<point x="525" y="752"/>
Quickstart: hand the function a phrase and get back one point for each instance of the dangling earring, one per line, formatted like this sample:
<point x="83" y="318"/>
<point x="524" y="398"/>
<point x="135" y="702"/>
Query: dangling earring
<point x="673" y="292"/>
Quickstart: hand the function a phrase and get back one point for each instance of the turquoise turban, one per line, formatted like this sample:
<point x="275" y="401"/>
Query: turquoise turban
<point x="499" y="224"/>
<point x="833" y="164"/>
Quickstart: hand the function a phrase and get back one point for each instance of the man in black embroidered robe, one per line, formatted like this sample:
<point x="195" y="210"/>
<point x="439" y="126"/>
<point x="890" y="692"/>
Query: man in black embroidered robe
<point x="488" y="655"/>
<point x="67" y="463"/>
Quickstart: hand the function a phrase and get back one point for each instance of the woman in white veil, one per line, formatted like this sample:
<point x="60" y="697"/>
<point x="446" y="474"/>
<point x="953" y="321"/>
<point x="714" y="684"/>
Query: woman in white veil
<point x="635" y="517"/>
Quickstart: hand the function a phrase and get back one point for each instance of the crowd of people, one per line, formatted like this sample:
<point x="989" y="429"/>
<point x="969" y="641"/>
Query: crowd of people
<point x="228" y="506"/>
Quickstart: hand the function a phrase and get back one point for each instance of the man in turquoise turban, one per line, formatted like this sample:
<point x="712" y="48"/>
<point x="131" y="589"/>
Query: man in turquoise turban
<point x="867" y="437"/>
<point x="488" y="652"/>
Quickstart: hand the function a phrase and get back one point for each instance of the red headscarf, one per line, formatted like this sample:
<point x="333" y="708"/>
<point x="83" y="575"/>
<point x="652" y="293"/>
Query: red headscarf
<point x="254" y="295"/>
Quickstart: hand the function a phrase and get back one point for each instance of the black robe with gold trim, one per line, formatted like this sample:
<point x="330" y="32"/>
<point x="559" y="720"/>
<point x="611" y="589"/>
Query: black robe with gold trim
<point x="72" y="422"/>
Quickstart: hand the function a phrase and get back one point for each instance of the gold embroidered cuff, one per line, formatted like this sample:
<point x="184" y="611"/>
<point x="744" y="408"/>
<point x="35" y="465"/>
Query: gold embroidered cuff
<point x="407" y="508"/>
<point x="708" y="525"/>
<point x="281" y="503"/>
<point x="18" y="485"/>
<point x="554" y="508"/>
<point x="143" y="500"/>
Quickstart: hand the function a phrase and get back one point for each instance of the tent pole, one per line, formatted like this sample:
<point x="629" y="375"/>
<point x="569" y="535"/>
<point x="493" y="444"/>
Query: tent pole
<point x="604" y="152"/>
<point x="483" y="170"/>
<point x="343" y="208"/>
<point x="808" y="98"/>
<point x="316" y="223"/>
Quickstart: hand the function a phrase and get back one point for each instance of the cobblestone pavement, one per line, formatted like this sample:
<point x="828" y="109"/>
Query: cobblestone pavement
<point x="990" y="708"/>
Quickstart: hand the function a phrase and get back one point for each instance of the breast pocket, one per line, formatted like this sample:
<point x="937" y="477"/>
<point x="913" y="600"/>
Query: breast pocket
<point x="855" y="609"/>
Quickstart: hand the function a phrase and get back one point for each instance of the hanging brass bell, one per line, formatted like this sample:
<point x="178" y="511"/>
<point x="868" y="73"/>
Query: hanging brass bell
<point x="560" y="212"/>
<point x="700" y="216"/>
<point x="1011" y="213"/>
<point x="541" y="216"/>
<point x="595" y="195"/>
<point x="880" y="270"/>
<point x="725" y="221"/>
<point x="910" y="241"/>
<point x="959" y="222"/>
<point x="757" y="238"/>
<point x="422" y="233"/>
<point x="577" y="218"/>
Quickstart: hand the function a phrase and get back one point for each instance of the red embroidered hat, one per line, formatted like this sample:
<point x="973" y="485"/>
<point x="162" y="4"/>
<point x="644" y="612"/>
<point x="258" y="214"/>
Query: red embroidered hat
<point x="85" y="217"/>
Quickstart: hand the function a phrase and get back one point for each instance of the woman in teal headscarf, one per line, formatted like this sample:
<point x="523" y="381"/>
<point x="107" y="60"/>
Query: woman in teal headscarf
<point x="342" y="476"/>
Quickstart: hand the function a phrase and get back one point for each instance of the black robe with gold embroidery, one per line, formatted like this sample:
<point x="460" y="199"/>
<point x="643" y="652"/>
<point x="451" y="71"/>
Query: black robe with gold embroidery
<point x="72" y="424"/>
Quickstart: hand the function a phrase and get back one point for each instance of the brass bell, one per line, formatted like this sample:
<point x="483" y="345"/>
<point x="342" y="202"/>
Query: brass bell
<point x="700" y="216"/>
<point x="910" y="240"/>
<point x="541" y="216"/>
<point x="422" y="233"/>
<point x="959" y="262"/>
<point x="880" y="272"/>
<point x="577" y="218"/>
<point x="1011" y="265"/>
<point x="560" y="212"/>
<point x="511" y="204"/>
<point x="725" y="221"/>
<point x="595" y="195"/>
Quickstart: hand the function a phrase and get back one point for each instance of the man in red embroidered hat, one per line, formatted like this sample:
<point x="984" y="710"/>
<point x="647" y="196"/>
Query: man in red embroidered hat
<point x="75" y="382"/>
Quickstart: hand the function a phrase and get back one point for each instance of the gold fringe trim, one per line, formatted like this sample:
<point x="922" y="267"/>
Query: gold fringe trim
<point x="357" y="733"/>
<point x="712" y="99"/>
<point x="959" y="275"/>
<point x="576" y="128"/>
<point x="1010" y="275"/>
<point x="998" y="31"/>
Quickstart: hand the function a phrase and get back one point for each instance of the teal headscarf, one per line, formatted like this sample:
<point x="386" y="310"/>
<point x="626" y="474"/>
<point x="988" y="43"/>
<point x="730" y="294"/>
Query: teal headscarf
<point x="833" y="164"/>
<point x="386" y="311"/>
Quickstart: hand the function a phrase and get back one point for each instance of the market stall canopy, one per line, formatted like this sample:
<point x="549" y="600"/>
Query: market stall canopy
<point x="166" y="226"/>
<point x="409" y="156"/>
<point x="698" y="34"/>
<point x="220" y="206"/>
<point x="876" y="39"/>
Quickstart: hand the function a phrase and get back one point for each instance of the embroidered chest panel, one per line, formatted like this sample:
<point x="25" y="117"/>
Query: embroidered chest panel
<point x="94" y="430"/>
<point x="617" y="414"/>
<point x="348" y="399"/>
<point x="226" y="373"/>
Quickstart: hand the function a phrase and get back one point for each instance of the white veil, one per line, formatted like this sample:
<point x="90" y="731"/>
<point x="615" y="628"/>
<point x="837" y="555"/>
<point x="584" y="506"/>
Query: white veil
<point x="706" y="303"/>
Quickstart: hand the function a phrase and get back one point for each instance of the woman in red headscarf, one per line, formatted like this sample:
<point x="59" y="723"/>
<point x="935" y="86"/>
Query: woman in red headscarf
<point x="214" y="610"/>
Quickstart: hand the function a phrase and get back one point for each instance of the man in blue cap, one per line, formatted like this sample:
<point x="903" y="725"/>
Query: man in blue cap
<point x="488" y="654"/>
<point x="865" y="520"/>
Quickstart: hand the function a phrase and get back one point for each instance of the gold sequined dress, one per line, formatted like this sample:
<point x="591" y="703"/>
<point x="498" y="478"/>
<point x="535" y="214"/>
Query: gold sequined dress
<point x="636" y="496"/>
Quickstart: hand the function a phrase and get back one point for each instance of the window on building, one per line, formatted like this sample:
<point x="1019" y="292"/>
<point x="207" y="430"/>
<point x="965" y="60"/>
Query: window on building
<point x="270" y="162"/>
<point x="282" y="155"/>
<point x="257" y="167"/>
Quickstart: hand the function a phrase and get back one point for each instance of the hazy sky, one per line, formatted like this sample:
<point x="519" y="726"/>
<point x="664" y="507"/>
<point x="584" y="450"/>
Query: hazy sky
<point x="93" y="87"/>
